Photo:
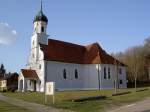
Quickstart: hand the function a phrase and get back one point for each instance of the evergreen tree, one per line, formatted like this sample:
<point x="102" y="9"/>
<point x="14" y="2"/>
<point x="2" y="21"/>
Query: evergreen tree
<point x="2" y="69"/>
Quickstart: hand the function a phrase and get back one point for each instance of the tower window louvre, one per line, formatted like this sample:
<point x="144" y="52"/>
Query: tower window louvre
<point x="42" y="29"/>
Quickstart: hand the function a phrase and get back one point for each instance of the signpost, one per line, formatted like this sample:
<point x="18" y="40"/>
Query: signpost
<point x="50" y="89"/>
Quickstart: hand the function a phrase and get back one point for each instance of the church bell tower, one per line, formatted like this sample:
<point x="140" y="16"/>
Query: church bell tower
<point x="40" y="26"/>
<point x="40" y="22"/>
<point x="39" y="35"/>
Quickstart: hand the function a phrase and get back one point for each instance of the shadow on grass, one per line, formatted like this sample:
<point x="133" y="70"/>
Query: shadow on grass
<point x="92" y="98"/>
<point x="12" y="109"/>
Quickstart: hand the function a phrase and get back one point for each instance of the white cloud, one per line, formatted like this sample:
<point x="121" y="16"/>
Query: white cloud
<point x="7" y="34"/>
<point x="14" y="32"/>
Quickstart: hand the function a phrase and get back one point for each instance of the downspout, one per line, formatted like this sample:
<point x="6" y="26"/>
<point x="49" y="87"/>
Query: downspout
<point x="45" y="79"/>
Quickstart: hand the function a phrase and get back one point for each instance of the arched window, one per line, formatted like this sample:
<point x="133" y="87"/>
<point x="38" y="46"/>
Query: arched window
<point x="76" y="74"/>
<point x="33" y="42"/>
<point x="42" y="29"/>
<point x="104" y="73"/>
<point x="121" y="82"/>
<point x="40" y="66"/>
<point x="39" y="82"/>
<point x="120" y="71"/>
<point x="30" y="82"/>
<point x="64" y="74"/>
<point x="108" y="73"/>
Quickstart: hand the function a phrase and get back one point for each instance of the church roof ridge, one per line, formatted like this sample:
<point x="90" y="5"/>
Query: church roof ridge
<point x="61" y="51"/>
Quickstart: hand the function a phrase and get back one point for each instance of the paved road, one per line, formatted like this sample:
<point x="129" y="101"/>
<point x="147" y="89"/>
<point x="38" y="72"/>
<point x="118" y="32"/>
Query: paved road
<point x="142" y="106"/>
<point x="30" y="106"/>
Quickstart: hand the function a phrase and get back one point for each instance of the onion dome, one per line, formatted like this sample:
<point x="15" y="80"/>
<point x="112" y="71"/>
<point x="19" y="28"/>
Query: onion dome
<point x="40" y="16"/>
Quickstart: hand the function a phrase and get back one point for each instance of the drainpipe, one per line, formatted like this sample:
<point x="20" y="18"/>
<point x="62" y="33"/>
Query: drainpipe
<point x="45" y="79"/>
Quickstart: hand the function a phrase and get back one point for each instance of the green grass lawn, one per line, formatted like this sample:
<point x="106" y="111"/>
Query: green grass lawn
<point x="63" y="99"/>
<point x="6" y="107"/>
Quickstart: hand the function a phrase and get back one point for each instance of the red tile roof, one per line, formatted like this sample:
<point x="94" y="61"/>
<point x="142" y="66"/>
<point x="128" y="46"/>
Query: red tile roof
<point x="72" y="53"/>
<point x="28" y="73"/>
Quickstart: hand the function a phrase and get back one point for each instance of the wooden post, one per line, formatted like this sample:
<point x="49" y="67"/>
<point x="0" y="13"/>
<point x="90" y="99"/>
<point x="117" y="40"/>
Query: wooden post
<point x="53" y="99"/>
<point x="116" y="76"/>
<point x="45" y="80"/>
<point x="45" y="98"/>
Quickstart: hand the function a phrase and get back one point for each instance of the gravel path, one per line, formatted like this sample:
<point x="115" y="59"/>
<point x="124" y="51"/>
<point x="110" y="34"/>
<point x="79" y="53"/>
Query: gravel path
<point x="31" y="106"/>
<point x="141" y="106"/>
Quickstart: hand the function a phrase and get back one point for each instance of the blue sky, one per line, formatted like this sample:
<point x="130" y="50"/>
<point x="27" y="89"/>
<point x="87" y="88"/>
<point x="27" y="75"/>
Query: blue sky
<point x="114" y="24"/>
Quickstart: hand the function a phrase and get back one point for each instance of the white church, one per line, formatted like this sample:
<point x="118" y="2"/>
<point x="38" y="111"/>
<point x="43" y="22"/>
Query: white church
<point x="70" y="66"/>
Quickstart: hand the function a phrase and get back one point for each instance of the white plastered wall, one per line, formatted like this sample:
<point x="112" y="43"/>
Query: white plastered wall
<point x="88" y="76"/>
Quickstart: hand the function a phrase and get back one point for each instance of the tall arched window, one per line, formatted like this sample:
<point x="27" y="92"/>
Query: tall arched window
<point x="108" y="73"/>
<point x="104" y="73"/>
<point x="120" y="71"/>
<point x="76" y="74"/>
<point x="64" y="74"/>
<point x="121" y="82"/>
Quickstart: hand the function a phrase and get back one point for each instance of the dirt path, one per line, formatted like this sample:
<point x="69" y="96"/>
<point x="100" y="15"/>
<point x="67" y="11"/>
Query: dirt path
<point x="31" y="106"/>
<point x="141" y="106"/>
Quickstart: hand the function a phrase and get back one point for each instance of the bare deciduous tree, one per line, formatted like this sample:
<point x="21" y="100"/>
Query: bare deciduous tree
<point x="136" y="58"/>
